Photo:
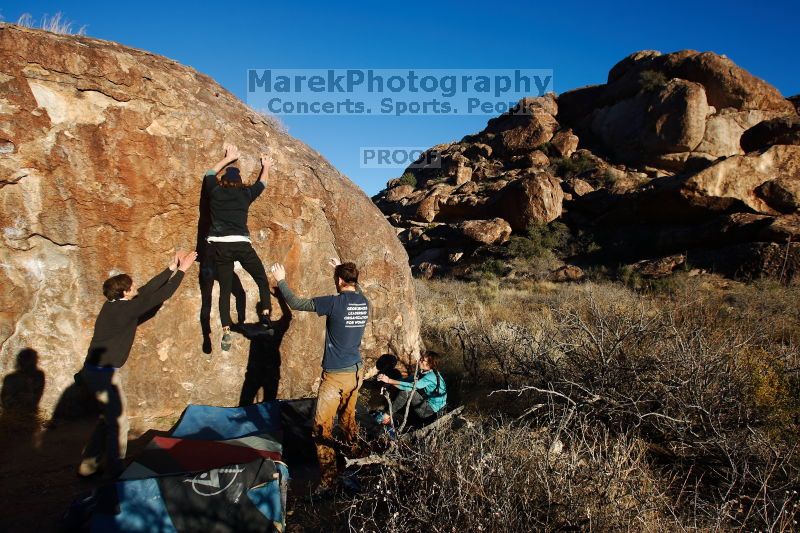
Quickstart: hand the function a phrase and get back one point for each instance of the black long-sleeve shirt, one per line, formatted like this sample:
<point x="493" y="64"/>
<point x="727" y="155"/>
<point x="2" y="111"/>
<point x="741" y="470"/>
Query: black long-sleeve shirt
<point x="116" y="323"/>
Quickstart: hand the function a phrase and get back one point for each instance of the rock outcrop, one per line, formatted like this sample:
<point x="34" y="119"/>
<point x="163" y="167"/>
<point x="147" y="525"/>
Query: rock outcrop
<point x="102" y="151"/>
<point x="679" y="159"/>
<point x="671" y="111"/>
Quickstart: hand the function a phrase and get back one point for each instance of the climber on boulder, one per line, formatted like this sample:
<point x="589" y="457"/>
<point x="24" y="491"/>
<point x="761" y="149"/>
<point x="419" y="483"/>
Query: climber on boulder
<point x="114" y="331"/>
<point x="347" y="313"/>
<point x="230" y="201"/>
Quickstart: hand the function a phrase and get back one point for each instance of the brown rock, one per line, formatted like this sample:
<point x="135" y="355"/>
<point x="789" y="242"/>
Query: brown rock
<point x="782" y="193"/>
<point x="530" y="200"/>
<point x="567" y="273"/>
<point x="741" y="179"/>
<point x="578" y="187"/>
<point x="649" y="124"/>
<point x="782" y="130"/>
<point x="675" y="111"/>
<point x="661" y="267"/>
<point x="537" y="159"/>
<point x="752" y="260"/>
<point x="515" y="133"/>
<point x="463" y="175"/>
<point x="782" y="229"/>
<point x="478" y="150"/>
<point x="494" y="231"/>
<point x="111" y="145"/>
<point x="565" y="143"/>
<point x="795" y="101"/>
<point x="398" y="193"/>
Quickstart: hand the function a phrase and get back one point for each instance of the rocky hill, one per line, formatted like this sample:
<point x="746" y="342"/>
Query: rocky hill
<point x="680" y="160"/>
<point x="102" y="151"/>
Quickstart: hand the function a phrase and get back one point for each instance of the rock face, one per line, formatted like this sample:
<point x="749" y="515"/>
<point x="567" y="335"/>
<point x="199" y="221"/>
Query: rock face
<point x="102" y="154"/>
<point x="531" y="200"/>
<point x="745" y="179"/>
<point x="671" y="111"/>
<point x="782" y="130"/>
<point x="681" y="155"/>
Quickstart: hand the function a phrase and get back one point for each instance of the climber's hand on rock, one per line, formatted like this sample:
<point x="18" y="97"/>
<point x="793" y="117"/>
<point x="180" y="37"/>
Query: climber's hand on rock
<point x="187" y="261"/>
<point x="231" y="152"/>
<point x="176" y="260"/>
<point x="334" y="262"/>
<point x="266" y="161"/>
<point x="278" y="272"/>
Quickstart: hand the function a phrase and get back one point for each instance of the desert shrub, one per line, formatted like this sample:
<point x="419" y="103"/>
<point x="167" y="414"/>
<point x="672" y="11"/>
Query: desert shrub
<point x="497" y="476"/>
<point x="607" y="179"/>
<point x="491" y="267"/>
<point x="541" y="239"/>
<point x="545" y="147"/>
<point x="652" y="80"/>
<point x="572" y="166"/>
<point x="707" y="379"/>
<point x="408" y="179"/>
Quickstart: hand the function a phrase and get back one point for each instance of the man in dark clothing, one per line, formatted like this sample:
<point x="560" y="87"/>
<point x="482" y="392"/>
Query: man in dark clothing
<point x="114" y="331"/>
<point x="228" y="234"/>
<point x="342" y="369"/>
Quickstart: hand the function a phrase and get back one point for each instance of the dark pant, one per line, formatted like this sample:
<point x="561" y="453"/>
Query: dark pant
<point x="419" y="405"/>
<point x="225" y="253"/>
<point x="109" y="440"/>
<point x="208" y="274"/>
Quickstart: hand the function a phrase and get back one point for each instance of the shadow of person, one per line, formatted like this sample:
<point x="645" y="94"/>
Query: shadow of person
<point x="22" y="391"/>
<point x="264" y="358"/>
<point x="208" y="271"/>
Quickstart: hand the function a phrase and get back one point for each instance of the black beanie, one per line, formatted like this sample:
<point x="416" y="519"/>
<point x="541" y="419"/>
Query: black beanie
<point x="232" y="175"/>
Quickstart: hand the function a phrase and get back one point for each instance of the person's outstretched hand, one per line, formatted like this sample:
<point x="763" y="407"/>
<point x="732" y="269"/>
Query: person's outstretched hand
<point x="231" y="152"/>
<point x="383" y="378"/>
<point x="278" y="272"/>
<point x="334" y="262"/>
<point x="187" y="261"/>
<point x="266" y="161"/>
<point x="176" y="260"/>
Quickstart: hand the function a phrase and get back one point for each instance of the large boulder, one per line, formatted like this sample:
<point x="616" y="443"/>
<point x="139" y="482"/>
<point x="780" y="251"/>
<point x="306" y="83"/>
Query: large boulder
<point x="102" y="154"/>
<point x="534" y="199"/>
<point x="781" y="130"/>
<point x="520" y="130"/>
<point x="744" y="180"/>
<point x="671" y="111"/>
<point x="494" y="231"/>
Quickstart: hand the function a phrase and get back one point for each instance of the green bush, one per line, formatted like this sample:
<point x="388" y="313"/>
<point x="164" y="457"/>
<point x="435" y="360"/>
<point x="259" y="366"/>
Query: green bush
<point x="493" y="267"/>
<point x="541" y="239"/>
<point x="566" y="166"/>
<point x="651" y="80"/>
<point x="408" y="179"/>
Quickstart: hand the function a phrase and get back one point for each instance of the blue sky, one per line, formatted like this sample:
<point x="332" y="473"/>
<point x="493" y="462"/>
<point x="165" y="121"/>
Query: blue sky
<point x="579" y="41"/>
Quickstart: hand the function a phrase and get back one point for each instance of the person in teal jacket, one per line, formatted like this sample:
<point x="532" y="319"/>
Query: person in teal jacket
<point x="428" y="397"/>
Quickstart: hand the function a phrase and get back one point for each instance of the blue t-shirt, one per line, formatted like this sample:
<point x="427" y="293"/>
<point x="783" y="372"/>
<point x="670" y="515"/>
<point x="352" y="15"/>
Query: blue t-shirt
<point x="347" y="314"/>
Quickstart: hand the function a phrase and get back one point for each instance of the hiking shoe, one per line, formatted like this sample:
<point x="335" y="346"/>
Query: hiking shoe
<point x="266" y="323"/>
<point x="227" y="341"/>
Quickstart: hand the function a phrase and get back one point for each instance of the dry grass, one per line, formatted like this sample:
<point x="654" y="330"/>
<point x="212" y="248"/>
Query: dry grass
<point x="667" y="412"/>
<point x="56" y="24"/>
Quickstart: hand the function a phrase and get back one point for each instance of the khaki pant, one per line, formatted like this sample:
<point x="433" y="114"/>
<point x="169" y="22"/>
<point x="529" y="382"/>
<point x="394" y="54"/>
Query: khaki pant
<point x="109" y="441"/>
<point x="337" y="396"/>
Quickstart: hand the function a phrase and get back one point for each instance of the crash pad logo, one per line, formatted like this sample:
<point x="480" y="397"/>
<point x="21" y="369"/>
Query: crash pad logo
<point x="214" y="481"/>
